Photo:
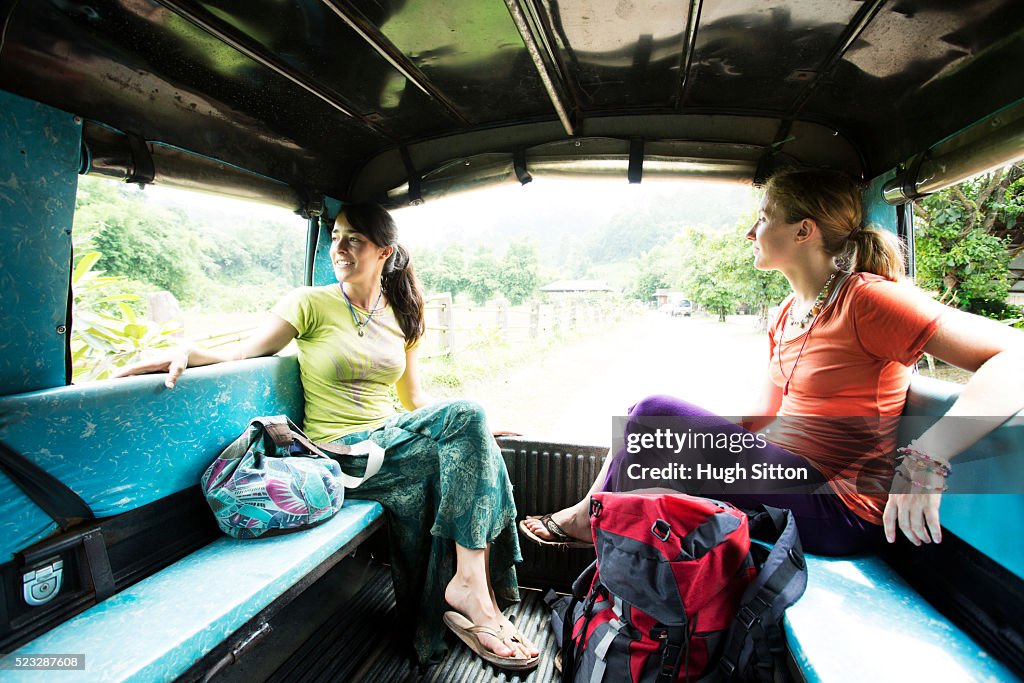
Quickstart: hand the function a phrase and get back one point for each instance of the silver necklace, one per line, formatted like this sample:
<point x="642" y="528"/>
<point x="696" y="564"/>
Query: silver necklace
<point x="360" y="325"/>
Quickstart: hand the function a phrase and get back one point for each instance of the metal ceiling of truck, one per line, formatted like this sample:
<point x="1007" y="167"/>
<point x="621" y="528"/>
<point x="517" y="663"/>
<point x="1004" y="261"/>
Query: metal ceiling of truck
<point x="346" y="96"/>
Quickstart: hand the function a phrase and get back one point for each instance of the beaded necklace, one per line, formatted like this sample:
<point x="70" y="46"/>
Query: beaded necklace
<point x="360" y="325"/>
<point x="812" y="317"/>
<point x="815" y="309"/>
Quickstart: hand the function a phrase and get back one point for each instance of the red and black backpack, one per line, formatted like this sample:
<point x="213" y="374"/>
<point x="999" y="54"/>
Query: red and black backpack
<point x="679" y="593"/>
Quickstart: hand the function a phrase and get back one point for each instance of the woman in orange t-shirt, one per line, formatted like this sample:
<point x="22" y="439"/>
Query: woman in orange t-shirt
<point x="822" y="441"/>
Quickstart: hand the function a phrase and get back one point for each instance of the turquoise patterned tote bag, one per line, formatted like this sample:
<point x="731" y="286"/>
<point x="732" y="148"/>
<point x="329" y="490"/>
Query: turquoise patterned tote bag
<point x="274" y="479"/>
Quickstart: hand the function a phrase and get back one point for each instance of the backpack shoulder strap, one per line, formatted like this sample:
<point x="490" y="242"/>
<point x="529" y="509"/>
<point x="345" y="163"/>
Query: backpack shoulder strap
<point x="49" y="493"/>
<point x="755" y="632"/>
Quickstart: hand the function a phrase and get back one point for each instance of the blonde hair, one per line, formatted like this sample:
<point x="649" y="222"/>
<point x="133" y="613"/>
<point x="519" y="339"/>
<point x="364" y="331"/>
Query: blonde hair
<point x="833" y="200"/>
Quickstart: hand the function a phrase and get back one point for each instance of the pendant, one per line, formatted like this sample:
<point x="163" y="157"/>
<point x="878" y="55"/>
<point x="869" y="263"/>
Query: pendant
<point x="360" y="332"/>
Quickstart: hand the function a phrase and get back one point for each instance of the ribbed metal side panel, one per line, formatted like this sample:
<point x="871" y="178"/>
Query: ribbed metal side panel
<point x="547" y="477"/>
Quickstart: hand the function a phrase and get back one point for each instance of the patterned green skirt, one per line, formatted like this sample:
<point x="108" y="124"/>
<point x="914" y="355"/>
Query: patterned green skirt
<point x="443" y="480"/>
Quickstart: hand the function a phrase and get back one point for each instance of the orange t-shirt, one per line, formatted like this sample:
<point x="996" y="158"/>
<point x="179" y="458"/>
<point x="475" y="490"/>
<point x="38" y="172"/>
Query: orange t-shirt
<point x="854" y="367"/>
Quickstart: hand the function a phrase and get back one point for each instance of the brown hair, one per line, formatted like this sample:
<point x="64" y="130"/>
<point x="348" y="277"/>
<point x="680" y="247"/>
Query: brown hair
<point x="834" y="201"/>
<point x="401" y="286"/>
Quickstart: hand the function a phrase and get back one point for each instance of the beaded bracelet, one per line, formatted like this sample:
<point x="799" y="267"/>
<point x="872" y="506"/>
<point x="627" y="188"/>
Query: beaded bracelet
<point x="925" y="461"/>
<point x="924" y="487"/>
<point x="917" y="465"/>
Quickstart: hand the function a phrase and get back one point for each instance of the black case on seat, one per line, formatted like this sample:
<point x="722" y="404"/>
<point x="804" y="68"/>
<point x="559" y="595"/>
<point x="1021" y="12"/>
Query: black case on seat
<point x="89" y="559"/>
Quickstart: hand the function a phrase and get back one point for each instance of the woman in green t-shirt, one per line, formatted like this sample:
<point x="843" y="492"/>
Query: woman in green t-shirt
<point x="443" y="481"/>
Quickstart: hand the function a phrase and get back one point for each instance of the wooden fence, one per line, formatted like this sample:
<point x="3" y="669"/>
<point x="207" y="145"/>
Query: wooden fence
<point x="452" y="328"/>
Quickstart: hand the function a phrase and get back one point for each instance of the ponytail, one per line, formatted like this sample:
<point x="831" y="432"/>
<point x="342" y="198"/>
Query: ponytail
<point x="402" y="288"/>
<point x="872" y="250"/>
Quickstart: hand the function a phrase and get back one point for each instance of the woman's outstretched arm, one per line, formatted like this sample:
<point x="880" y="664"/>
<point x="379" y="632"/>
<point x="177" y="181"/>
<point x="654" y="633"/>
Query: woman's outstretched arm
<point x="271" y="336"/>
<point x="994" y="393"/>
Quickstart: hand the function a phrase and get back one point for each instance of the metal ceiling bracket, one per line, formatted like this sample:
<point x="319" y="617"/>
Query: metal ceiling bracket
<point x="143" y="171"/>
<point x="981" y="147"/>
<point x="415" y="192"/>
<point x="519" y="166"/>
<point x="547" y="77"/>
<point x="635" y="171"/>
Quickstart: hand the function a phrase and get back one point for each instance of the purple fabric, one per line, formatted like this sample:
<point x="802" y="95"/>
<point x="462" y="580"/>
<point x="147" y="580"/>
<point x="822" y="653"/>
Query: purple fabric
<point x="826" y="525"/>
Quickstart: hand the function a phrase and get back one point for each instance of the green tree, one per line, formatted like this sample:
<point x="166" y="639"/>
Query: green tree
<point x="138" y="240"/>
<point x="646" y="283"/>
<point x="519" y="271"/>
<point x="756" y="288"/>
<point x="444" y="271"/>
<point x="483" y="276"/>
<point x="958" y="254"/>
<point x="708" y="277"/>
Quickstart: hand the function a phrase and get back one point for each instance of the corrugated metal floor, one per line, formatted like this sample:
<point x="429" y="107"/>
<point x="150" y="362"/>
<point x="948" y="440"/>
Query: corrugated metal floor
<point x="353" y="646"/>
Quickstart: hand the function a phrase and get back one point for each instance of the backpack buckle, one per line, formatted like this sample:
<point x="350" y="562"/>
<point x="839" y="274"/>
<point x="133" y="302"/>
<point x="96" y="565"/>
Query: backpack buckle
<point x="747" y="617"/>
<point x="661" y="530"/>
<point x="727" y="666"/>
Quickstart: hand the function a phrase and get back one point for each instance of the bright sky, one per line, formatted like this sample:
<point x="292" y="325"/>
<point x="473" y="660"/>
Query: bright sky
<point x="432" y="222"/>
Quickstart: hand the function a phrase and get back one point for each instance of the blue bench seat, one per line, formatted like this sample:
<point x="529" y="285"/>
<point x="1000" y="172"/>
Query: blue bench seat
<point x="158" y="628"/>
<point x="122" y="444"/>
<point x="860" y="621"/>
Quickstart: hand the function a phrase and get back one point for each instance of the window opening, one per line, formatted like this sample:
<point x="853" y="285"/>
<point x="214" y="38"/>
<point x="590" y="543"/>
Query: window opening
<point x="153" y="266"/>
<point x="969" y="244"/>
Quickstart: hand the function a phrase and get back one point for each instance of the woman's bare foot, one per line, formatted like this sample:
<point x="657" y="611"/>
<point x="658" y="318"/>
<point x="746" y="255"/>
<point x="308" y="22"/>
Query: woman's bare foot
<point x="474" y="603"/>
<point x="574" y="521"/>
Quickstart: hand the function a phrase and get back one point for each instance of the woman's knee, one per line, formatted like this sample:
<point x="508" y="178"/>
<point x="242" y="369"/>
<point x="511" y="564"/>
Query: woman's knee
<point x="661" y="405"/>
<point x="464" y="417"/>
<point x="464" y="409"/>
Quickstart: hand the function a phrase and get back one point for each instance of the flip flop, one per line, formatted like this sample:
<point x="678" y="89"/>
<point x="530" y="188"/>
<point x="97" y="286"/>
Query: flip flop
<point x="517" y="635"/>
<point x="562" y="539"/>
<point x="470" y="633"/>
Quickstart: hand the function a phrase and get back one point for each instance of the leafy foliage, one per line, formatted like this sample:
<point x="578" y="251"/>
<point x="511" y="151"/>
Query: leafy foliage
<point x="515" y="276"/>
<point x="107" y="333"/>
<point x="646" y="283"/>
<point x="958" y="255"/>
<point x="714" y="269"/>
<point x="519" y="272"/>
<point x="138" y="241"/>
<point x="144" y="247"/>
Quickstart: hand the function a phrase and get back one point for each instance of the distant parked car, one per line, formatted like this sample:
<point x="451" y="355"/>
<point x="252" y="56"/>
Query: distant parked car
<point x="682" y="307"/>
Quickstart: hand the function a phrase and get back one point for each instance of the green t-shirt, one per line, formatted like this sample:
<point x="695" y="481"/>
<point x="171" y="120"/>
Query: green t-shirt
<point x="345" y="377"/>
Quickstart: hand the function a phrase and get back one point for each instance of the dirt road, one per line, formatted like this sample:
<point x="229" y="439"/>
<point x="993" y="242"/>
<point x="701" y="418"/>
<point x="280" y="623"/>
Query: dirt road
<point x="571" y="393"/>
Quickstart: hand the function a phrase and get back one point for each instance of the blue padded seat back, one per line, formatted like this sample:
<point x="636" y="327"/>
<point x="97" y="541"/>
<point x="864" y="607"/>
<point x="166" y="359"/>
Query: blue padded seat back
<point x="121" y="444"/>
<point x="985" y="502"/>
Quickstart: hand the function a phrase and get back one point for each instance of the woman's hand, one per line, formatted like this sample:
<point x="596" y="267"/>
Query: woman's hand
<point x="913" y="505"/>
<point x="173" y="363"/>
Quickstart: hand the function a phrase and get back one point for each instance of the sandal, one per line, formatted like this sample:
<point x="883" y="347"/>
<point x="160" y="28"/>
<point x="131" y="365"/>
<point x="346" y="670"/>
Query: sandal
<point x="562" y="539"/>
<point x="470" y="633"/>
